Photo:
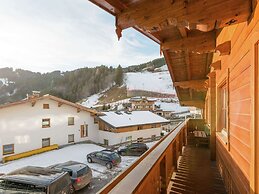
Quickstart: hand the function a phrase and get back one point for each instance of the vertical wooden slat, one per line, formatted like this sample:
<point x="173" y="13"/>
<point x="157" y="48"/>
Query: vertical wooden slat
<point x="256" y="118"/>
<point x="212" y="80"/>
<point x="228" y="109"/>
<point x="254" y="164"/>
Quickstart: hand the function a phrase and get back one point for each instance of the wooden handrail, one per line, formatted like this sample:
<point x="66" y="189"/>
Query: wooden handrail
<point x="130" y="179"/>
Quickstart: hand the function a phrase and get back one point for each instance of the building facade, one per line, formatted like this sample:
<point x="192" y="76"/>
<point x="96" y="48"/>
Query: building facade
<point x="119" y="127"/>
<point x="142" y="103"/>
<point x="43" y="121"/>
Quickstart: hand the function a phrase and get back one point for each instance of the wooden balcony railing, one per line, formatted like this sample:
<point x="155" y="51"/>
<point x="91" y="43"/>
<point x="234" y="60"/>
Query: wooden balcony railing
<point x="152" y="172"/>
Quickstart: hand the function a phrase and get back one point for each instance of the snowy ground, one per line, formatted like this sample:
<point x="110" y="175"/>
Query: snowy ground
<point x="160" y="82"/>
<point x="4" y="81"/>
<point x="76" y="152"/>
<point x="92" y="100"/>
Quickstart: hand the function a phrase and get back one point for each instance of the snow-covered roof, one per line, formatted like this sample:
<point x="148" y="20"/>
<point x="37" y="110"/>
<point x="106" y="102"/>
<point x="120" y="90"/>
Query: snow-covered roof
<point x="140" y="98"/>
<point x="50" y="97"/>
<point x="171" y="107"/>
<point x="123" y="119"/>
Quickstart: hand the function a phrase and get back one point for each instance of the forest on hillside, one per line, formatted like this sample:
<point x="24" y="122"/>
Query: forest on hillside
<point x="70" y="85"/>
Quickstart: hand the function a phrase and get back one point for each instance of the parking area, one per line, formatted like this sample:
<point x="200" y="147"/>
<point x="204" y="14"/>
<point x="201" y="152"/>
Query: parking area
<point x="78" y="152"/>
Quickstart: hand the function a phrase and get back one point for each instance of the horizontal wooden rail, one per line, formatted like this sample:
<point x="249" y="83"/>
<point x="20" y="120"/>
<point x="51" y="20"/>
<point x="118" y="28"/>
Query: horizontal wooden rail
<point x="144" y="140"/>
<point x="29" y="153"/>
<point x="146" y="169"/>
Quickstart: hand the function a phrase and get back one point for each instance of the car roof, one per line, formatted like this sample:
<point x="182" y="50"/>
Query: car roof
<point x="71" y="165"/>
<point x="107" y="151"/>
<point x="34" y="175"/>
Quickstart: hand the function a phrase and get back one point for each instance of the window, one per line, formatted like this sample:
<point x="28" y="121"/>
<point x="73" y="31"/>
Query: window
<point x="84" y="130"/>
<point x="8" y="149"/>
<point x="140" y="139"/>
<point x="45" y="106"/>
<point x="140" y="127"/>
<point x="71" y="121"/>
<point x="223" y="108"/>
<point x="71" y="138"/>
<point x="106" y="142"/>
<point x="45" y="142"/>
<point x="153" y="126"/>
<point x="45" y="123"/>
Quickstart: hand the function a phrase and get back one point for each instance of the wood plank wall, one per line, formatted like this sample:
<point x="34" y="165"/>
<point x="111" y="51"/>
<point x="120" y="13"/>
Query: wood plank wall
<point x="240" y="65"/>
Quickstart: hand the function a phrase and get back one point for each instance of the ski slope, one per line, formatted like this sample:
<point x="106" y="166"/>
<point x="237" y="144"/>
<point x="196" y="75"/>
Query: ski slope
<point x="154" y="82"/>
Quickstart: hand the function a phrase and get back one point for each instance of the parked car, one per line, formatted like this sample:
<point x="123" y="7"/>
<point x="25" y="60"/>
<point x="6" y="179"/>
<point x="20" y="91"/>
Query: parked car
<point x="107" y="158"/>
<point x="36" y="180"/>
<point x="134" y="149"/>
<point x="80" y="174"/>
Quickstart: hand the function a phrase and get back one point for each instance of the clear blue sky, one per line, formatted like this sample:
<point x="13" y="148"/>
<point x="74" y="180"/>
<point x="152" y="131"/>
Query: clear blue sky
<point x="46" y="35"/>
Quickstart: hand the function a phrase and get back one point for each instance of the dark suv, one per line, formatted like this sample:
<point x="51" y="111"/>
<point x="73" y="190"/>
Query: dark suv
<point x="107" y="158"/>
<point x="80" y="173"/>
<point x="134" y="149"/>
<point x="36" y="180"/>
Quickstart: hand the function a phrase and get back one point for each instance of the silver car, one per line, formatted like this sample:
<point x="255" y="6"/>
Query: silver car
<point x="80" y="174"/>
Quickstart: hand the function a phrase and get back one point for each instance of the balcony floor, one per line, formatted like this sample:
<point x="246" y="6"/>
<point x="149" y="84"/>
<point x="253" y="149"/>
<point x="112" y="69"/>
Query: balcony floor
<point x="196" y="173"/>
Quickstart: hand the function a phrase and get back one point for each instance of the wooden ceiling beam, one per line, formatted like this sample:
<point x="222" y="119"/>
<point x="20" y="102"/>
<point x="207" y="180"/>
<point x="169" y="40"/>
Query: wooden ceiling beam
<point x="188" y="63"/>
<point x="196" y="103"/>
<point x="183" y="31"/>
<point x="153" y="15"/>
<point x="199" y="85"/>
<point x="201" y="42"/>
<point x="116" y="3"/>
<point x="184" y="34"/>
<point x="224" y="48"/>
<point x="216" y="65"/>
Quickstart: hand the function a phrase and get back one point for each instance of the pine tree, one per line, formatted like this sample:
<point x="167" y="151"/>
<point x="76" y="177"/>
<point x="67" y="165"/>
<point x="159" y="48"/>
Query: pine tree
<point x="119" y="76"/>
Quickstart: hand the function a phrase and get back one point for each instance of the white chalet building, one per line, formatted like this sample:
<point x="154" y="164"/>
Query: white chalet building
<point x="38" y="122"/>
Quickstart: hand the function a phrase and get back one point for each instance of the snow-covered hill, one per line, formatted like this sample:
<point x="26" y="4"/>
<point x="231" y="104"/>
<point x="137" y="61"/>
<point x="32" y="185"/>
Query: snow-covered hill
<point x="159" y="82"/>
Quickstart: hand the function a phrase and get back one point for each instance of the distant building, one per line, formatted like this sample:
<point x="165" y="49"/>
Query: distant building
<point x="37" y="122"/>
<point x="142" y="103"/>
<point x="169" y="110"/>
<point x="118" y="127"/>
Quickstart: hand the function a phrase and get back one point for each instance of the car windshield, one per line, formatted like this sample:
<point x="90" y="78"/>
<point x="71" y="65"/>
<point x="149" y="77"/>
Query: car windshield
<point x="15" y="187"/>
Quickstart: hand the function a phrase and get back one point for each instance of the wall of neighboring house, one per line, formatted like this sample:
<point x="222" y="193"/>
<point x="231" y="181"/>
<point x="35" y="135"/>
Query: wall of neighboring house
<point x="116" y="138"/>
<point x="235" y="145"/>
<point x="21" y="125"/>
<point x="106" y="127"/>
<point x="143" y="105"/>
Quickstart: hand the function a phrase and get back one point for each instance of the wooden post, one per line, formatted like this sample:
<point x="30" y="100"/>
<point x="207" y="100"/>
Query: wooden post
<point x="212" y="113"/>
